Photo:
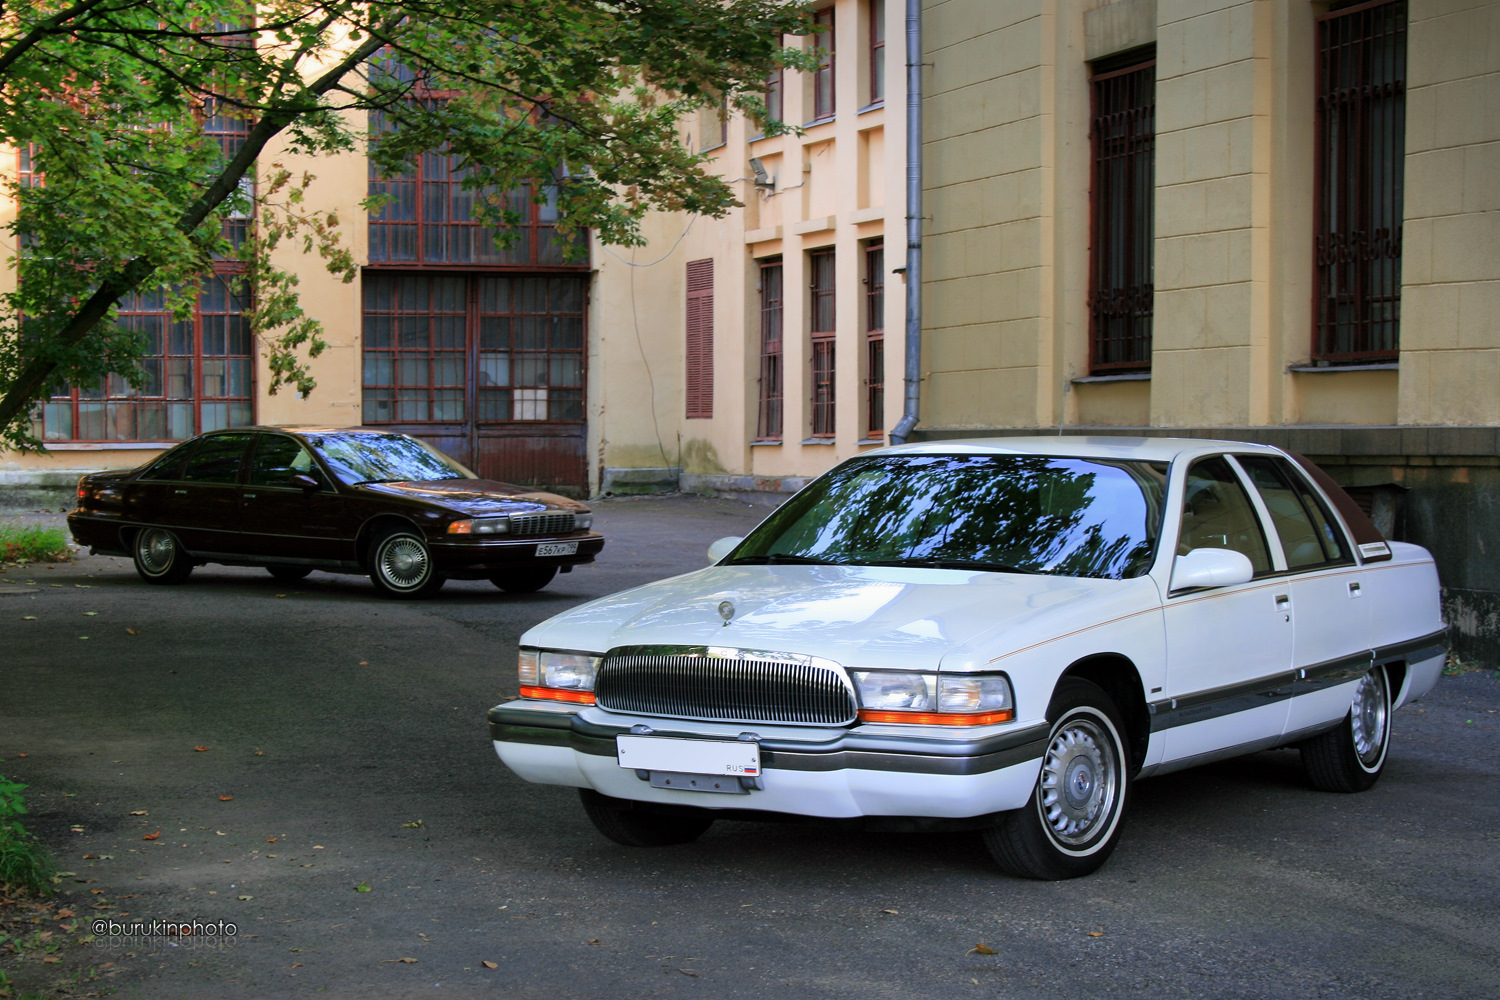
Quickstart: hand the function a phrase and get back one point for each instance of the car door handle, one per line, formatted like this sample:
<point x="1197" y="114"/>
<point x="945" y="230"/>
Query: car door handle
<point x="249" y="496"/>
<point x="1354" y="590"/>
<point x="181" y="493"/>
<point x="1283" y="602"/>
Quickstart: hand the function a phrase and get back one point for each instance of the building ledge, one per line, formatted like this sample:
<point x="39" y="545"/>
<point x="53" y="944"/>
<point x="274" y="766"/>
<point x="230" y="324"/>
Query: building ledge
<point x="1123" y="377"/>
<point x="819" y="440"/>
<point x="1389" y="366"/>
<point x="763" y="235"/>
<point x="817" y="225"/>
<point x="875" y="213"/>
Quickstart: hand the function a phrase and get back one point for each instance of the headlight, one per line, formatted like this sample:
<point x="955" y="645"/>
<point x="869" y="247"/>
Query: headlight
<point x="583" y="521"/>
<point x="557" y="676"/>
<point x="931" y="699"/>
<point x="481" y="526"/>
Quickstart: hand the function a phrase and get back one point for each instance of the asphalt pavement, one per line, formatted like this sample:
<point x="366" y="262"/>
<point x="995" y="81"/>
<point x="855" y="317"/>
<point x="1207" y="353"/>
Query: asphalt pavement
<point x="311" y="764"/>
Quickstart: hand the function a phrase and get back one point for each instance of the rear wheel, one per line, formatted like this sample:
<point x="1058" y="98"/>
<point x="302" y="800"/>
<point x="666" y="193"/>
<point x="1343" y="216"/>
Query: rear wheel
<point x="159" y="557"/>
<point x="1072" y="823"/>
<point x="524" y="581"/>
<point x="287" y="574"/>
<point x="643" y="824"/>
<point x="401" y="565"/>
<point x="1349" y="758"/>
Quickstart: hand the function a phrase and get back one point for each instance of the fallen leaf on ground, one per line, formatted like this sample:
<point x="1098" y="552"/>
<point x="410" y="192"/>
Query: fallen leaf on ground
<point x="296" y="965"/>
<point x="403" y="961"/>
<point x="980" y="949"/>
<point x="65" y="914"/>
<point x="415" y="824"/>
<point x="362" y="887"/>
<point x="90" y="614"/>
<point x="226" y="798"/>
<point x="892" y="912"/>
<point x="138" y="812"/>
<point x="23" y="755"/>
<point x="1096" y="933"/>
<point x="244" y="897"/>
<point x="28" y="618"/>
<point x="83" y="586"/>
<point x="489" y="965"/>
<point x="200" y="749"/>
<point x="152" y="836"/>
<point x="690" y="972"/>
<point x="133" y="631"/>
<point x="270" y="840"/>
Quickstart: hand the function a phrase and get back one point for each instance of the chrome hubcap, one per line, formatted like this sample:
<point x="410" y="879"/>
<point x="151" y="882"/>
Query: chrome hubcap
<point x="156" y="549"/>
<point x="1368" y="716"/>
<point x="403" y="562"/>
<point x="1079" y="783"/>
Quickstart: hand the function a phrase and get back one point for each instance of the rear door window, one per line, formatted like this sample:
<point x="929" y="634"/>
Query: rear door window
<point x="217" y="459"/>
<point x="1308" y="537"/>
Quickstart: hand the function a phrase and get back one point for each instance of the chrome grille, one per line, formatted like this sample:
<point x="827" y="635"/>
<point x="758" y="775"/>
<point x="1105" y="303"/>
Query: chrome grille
<point x="541" y="524"/>
<point x="722" y="689"/>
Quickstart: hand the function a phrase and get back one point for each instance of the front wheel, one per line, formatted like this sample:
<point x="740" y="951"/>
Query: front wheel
<point x="401" y="565"/>
<point x="159" y="557"/>
<point x="1350" y="757"/>
<point x="641" y="824"/>
<point x="1072" y="823"/>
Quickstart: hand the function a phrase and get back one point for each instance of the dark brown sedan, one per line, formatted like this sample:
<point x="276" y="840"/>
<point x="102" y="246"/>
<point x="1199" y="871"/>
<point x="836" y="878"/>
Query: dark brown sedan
<point x="347" y="501"/>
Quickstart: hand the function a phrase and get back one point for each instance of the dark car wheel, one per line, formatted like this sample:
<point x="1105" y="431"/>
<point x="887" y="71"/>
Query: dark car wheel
<point x="642" y="824"/>
<point x="288" y="574"/>
<point x="524" y="581"/>
<point x="159" y="557"/>
<point x="1072" y="823"/>
<point x="401" y="565"/>
<point x="1350" y="757"/>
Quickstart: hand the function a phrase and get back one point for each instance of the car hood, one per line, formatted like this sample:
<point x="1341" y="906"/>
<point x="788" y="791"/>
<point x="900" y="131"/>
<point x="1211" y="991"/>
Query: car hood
<point x="855" y="615"/>
<point x="475" y="496"/>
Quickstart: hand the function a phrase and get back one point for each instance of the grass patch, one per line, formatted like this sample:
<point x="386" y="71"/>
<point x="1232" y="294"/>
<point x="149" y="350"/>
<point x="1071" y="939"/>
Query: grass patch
<point x="25" y="868"/>
<point x="33" y="543"/>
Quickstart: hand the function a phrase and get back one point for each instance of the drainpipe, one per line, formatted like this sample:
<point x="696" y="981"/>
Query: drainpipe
<point x="913" y="222"/>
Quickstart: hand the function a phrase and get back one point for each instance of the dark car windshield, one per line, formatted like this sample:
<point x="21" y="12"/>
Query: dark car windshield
<point x="383" y="458"/>
<point x="1004" y="513"/>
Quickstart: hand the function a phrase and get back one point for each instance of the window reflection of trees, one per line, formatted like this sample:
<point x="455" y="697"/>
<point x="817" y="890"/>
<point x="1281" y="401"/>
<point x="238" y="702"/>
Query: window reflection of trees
<point x="363" y="458"/>
<point x="1047" y="515"/>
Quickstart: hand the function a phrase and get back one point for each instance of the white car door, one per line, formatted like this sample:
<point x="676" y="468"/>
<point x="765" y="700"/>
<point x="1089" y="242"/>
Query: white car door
<point x="1331" y="626"/>
<point x="1229" y="649"/>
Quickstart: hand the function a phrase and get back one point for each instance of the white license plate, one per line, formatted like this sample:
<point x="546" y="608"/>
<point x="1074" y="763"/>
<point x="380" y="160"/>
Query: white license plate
<point x="657" y="753"/>
<point x="557" y="549"/>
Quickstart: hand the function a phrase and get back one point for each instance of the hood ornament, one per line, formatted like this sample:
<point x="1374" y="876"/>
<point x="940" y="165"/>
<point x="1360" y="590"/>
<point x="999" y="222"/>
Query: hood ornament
<point x="726" y="612"/>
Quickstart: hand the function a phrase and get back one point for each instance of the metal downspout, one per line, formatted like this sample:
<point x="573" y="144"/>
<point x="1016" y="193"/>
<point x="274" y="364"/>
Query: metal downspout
<point x="913" y="222"/>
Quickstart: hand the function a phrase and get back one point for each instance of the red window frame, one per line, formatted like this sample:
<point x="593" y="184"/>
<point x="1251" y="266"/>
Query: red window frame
<point x="1360" y="163"/>
<point x="825" y="99"/>
<point x="769" y="409"/>
<point x="513" y="344"/>
<point x="875" y="339"/>
<point x="1122" y="204"/>
<point x="700" y="339"/>
<point x="822" y="267"/>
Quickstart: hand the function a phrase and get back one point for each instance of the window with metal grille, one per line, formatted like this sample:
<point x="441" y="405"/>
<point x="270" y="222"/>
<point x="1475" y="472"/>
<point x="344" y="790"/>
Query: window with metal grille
<point x="512" y="344"/>
<point x="877" y="51"/>
<point x="874" y="340"/>
<point x="197" y="375"/>
<point x="768" y="420"/>
<point x="1361" y="137"/>
<point x="824" y="300"/>
<point x="430" y="217"/>
<point x="1122" y="207"/>
<point x="700" y="339"/>
<point x="824" y="104"/>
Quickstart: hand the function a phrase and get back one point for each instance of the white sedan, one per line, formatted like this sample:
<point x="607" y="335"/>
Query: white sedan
<point x="1001" y="634"/>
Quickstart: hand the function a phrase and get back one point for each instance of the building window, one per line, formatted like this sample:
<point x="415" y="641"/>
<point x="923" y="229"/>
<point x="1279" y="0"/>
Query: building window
<point x="877" y="51"/>
<point x="700" y="339"/>
<point x="196" y="375"/>
<point x="1122" y="195"/>
<point x="824" y="301"/>
<point x="768" y="422"/>
<point x="823" y="96"/>
<point x="430" y="218"/>
<point x="1361" y="136"/>
<point x="511" y="344"/>
<point x="774" y="107"/>
<point x="875" y="340"/>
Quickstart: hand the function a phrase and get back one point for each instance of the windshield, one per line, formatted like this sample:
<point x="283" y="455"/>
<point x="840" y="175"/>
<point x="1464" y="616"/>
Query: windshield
<point x="1005" y="513"/>
<point x="384" y="458"/>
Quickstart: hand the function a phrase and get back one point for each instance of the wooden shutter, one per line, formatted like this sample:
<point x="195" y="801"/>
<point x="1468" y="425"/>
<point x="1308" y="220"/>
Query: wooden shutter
<point x="700" y="339"/>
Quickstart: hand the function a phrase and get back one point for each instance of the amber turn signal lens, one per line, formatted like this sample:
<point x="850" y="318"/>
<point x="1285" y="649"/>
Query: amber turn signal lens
<point x="938" y="718"/>
<point x="558" y="694"/>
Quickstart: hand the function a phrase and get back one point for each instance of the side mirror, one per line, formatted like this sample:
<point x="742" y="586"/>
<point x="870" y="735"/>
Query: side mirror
<point x="1211" y="568"/>
<point x="718" y="550"/>
<point x="304" y="481"/>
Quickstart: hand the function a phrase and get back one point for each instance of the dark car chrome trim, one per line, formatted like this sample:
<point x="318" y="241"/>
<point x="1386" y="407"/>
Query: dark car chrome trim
<point x="851" y="750"/>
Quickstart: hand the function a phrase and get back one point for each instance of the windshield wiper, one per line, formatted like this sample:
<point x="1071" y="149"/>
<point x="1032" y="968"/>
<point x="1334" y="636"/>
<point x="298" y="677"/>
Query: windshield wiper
<point x="785" y="558"/>
<point x="936" y="562"/>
